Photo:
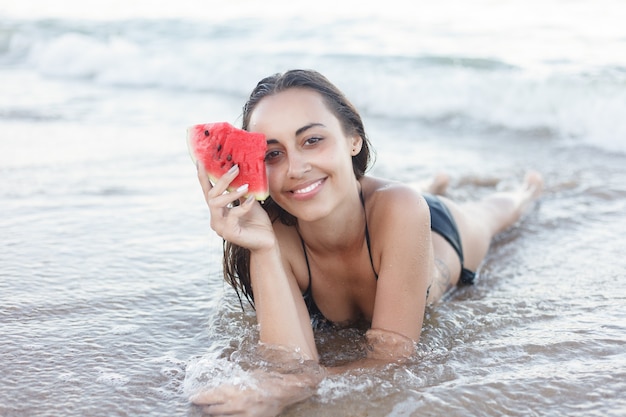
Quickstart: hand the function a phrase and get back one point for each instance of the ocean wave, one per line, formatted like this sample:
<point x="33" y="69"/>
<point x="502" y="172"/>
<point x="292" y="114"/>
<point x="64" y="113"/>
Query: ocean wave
<point x="35" y="115"/>
<point x="583" y="107"/>
<point x="463" y="92"/>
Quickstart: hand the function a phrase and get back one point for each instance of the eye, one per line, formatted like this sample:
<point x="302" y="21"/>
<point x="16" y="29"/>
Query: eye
<point x="271" y="156"/>
<point x="313" y="140"/>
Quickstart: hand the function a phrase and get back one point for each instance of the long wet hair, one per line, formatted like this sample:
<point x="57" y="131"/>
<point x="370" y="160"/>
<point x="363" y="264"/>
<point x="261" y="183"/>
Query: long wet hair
<point x="236" y="258"/>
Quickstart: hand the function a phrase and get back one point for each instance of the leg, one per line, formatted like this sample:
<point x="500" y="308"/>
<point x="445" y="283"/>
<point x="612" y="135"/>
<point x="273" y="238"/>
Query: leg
<point x="436" y="185"/>
<point x="481" y="220"/>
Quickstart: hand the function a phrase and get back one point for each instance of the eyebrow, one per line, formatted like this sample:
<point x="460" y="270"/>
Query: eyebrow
<point x="299" y="131"/>
<point x="306" y="127"/>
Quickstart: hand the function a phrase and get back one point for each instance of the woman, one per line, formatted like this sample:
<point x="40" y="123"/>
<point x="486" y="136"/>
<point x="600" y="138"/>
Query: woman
<point x="332" y="244"/>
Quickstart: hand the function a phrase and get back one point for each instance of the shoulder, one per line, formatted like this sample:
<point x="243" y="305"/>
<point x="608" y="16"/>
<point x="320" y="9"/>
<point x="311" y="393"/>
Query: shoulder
<point x="398" y="218"/>
<point x="389" y="202"/>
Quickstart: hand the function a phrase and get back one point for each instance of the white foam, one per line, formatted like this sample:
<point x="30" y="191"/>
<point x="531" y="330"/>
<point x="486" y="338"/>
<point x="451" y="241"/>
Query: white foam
<point x="513" y="84"/>
<point x="206" y="373"/>
<point x="113" y="379"/>
<point x="333" y="388"/>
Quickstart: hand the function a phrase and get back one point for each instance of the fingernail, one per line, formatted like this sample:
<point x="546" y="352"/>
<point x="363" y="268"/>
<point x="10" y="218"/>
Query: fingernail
<point x="233" y="169"/>
<point x="242" y="188"/>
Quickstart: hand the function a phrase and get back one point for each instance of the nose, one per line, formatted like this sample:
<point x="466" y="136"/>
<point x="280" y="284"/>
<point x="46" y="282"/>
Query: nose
<point x="298" y="165"/>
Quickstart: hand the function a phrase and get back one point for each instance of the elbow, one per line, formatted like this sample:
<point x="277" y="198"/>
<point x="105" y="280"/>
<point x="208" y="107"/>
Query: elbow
<point x="388" y="346"/>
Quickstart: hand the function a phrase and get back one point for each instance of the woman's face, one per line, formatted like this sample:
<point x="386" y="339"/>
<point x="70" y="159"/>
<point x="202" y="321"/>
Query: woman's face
<point x="309" y="157"/>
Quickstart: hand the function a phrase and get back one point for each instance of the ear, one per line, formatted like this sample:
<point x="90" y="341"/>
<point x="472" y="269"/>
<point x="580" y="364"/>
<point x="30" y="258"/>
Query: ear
<point x="356" y="143"/>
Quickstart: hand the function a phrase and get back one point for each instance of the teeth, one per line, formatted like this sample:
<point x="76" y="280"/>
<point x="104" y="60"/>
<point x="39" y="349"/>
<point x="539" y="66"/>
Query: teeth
<point x="309" y="188"/>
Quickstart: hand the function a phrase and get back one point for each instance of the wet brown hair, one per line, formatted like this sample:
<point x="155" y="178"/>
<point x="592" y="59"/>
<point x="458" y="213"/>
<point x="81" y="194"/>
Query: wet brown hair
<point x="237" y="259"/>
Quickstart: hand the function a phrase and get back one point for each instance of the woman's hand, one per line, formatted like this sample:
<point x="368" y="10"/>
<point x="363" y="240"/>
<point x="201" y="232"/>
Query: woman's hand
<point x="237" y="400"/>
<point x="264" y="394"/>
<point x="247" y="224"/>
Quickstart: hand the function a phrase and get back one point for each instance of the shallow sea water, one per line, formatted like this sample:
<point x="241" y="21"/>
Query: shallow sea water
<point x="110" y="278"/>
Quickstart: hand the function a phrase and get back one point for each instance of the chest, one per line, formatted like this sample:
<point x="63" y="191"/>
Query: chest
<point x="342" y="284"/>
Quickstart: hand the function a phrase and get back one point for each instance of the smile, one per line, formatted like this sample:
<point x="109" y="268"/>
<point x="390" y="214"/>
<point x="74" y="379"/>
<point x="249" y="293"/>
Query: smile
<point x="308" y="188"/>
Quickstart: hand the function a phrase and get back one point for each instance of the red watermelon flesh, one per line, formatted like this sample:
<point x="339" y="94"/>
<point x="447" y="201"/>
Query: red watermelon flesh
<point x="220" y="145"/>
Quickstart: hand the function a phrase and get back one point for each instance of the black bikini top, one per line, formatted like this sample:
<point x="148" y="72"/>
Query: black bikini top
<point x="317" y="318"/>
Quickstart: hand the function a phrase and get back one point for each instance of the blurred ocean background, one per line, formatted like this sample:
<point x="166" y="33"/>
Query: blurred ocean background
<point x="110" y="277"/>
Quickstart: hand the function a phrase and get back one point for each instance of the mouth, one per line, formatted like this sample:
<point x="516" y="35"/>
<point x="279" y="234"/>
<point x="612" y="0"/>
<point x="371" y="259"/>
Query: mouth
<point x="309" y="188"/>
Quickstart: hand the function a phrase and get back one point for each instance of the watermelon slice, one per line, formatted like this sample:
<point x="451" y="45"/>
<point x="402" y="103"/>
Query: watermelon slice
<point x="219" y="146"/>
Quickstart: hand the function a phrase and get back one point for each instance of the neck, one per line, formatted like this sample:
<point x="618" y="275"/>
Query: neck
<point x="342" y="230"/>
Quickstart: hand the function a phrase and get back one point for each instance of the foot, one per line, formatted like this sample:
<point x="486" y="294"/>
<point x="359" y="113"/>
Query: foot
<point x="505" y="208"/>
<point x="529" y="191"/>
<point x="436" y="185"/>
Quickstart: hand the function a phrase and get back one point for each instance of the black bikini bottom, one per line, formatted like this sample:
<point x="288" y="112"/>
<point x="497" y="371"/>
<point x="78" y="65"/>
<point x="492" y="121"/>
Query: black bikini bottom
<point x="442" y="223"/>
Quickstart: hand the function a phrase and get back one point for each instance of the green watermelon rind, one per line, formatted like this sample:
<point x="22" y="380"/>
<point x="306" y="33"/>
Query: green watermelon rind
<point x="246" y="170"/>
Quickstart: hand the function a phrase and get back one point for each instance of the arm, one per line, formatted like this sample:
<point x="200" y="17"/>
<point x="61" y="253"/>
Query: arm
<point x="406" y="262"/>
<point x="405" y="270"/>
<point x="383" y="347"/>
<point x="262" y="393"/>
<point x="281" y="313"/>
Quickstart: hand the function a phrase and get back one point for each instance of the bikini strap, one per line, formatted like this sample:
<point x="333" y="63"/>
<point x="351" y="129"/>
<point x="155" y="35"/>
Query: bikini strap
<point x="307" y="293"/>
<point x="367" y="234"/>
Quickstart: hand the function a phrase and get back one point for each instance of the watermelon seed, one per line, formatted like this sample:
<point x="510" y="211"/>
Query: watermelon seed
<point x="229" y="157"/>
<point x="206" y="133"/>
<point x="219" y="147"/>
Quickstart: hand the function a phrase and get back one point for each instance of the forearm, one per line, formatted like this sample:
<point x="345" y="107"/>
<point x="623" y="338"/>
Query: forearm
<point x="265" y="392"/>
<point x="281" y="313"/>
<point x="286" y="388"/>
<point x="383" y="348"/>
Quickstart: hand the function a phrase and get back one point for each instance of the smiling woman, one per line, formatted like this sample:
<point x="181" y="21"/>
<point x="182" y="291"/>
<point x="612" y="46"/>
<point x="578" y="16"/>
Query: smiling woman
<point x="295" y="148"/>
<point x="110" y="277"/>
<point x="331" y="245"/>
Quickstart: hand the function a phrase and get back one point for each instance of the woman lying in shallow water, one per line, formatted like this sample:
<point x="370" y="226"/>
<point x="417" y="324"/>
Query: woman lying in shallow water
<point x="333" y="245"/>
